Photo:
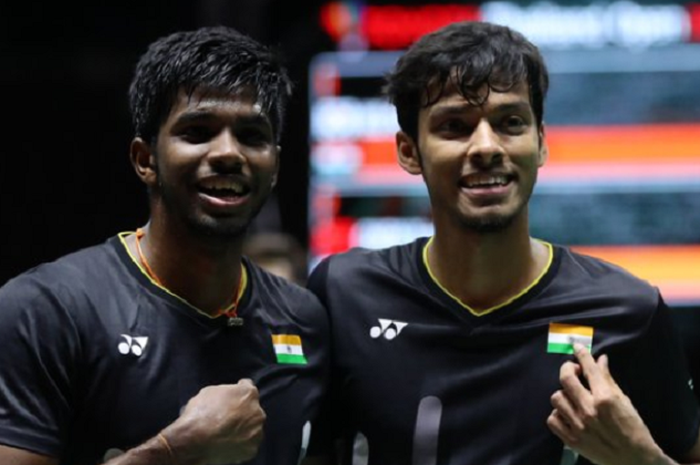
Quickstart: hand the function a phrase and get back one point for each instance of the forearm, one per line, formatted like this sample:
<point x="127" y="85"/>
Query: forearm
<point x="157" y="451"/>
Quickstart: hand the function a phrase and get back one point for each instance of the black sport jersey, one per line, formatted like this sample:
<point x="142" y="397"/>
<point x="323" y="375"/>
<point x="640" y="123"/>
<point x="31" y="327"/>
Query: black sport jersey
<point x="96" y="358"/>
<point x="419" y="380"/>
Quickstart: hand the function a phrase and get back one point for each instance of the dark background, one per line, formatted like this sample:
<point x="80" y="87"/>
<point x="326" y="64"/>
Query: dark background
<point x="65" y="178"/>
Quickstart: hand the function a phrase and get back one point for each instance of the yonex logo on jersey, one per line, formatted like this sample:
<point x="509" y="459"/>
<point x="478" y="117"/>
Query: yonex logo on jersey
<point x="387" y="328"/>
<point x="133" y="345"/>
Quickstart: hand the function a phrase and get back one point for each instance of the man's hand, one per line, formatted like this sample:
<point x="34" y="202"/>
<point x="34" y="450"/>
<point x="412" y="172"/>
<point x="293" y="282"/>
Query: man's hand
<point x="221" y="424"/>
<point x="600" y="422"/>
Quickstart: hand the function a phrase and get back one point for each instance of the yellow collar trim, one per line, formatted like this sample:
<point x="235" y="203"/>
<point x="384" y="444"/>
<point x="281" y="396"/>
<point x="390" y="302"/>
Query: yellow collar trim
<point x="486" y="311"/>
<point x="244" y="278"/>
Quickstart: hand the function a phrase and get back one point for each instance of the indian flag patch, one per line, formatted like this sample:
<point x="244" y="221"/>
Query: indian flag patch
<point x="562" y="337"/>
<point x="288" y="349"/>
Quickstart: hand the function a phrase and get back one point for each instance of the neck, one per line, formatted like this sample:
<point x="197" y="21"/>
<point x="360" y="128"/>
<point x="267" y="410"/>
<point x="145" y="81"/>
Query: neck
<point x="486" y="270"/>
<point x="192" y="267"/>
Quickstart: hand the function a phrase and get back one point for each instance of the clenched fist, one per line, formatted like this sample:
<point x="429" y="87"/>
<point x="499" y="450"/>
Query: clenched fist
<point x="220" y="425"/>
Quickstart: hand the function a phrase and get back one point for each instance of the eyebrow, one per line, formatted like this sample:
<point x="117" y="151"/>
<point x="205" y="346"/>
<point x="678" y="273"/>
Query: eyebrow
<point x="196" y="116"/>
<point x="465" y="107"/>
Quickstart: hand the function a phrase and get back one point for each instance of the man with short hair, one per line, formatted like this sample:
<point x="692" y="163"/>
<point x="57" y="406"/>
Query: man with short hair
<point x="447" y="350"/>
<point x="166" y="345"/>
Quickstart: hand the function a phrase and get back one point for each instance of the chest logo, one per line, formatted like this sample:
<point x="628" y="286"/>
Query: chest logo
<point x="562" y="337"/>
<point x="132" y="345"/>
<point x="387" y="328"/>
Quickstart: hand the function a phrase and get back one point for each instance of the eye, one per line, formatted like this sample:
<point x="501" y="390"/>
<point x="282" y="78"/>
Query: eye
<point x="196" y="134"/>
<point x="514" y="124"/>
<point x="453" y="127"/>
<point x="254" y="136"/>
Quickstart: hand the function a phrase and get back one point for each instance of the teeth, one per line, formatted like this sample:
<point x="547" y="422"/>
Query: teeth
<point x="487" y="180"/>
<point x="223" y="184"/>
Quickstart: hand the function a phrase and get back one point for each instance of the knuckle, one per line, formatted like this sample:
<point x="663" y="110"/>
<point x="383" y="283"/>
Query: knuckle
<point x="605" y="403"/>
<point x="568" y="379"/>
<point x="249" y="391"/>
<point x="567" y="368"/>
<point x="205" y="390"/>
<point x="247" y="385"/>
<point x="588" y="416"/>
<point x="557" y="398"/>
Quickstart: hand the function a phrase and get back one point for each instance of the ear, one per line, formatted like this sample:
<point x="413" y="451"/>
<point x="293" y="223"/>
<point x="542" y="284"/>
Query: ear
<point x="407" y="151"/>
<point x="144" y="162"/>
<point x="543" y="154"/>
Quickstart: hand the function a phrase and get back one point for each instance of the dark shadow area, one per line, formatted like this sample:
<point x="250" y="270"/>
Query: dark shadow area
<point x="65" y="178"/>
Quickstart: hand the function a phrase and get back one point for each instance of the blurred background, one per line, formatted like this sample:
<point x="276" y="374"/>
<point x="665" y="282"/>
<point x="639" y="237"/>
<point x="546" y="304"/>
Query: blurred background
<point x="623" y="116"/>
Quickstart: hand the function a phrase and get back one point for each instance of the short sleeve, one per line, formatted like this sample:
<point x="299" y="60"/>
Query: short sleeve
<point x="323" y="431"/>
<point x="658" y="382"/>
<point x="37" y="366"/>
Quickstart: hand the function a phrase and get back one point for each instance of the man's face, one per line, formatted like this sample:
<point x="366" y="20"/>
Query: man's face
<point x="479" y="163"/>
<point x="216" y="162"/>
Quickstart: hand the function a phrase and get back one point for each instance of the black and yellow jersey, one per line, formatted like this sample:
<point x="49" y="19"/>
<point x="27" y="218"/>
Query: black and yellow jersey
<point x="96" y="358"/>
<point x="420" y="378"/>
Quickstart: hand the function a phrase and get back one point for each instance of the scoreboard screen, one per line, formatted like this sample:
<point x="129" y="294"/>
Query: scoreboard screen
<point x="623" y="177"/>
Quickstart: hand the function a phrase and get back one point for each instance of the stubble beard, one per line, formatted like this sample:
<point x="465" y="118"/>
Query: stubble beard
<point x="494" y="223"/>
<point x="488" y="225"/>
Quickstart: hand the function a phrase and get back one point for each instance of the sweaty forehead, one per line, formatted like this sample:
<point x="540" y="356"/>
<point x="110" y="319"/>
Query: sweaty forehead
<point x="204" y="98"/>
<point x="213" y="103"/>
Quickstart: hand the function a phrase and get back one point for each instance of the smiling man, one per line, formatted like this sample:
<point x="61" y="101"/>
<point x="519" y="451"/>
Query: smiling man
<point x="447" y="350"/>
<point x="165" y="345"/>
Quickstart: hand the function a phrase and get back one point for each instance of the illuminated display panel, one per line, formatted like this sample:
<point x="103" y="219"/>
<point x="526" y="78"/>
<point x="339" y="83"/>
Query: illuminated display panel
<point x="622" y="181"/>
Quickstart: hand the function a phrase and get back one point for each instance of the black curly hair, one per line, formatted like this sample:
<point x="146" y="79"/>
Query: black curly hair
<point x="209" y="59"/>
<point x="470" y="55"/>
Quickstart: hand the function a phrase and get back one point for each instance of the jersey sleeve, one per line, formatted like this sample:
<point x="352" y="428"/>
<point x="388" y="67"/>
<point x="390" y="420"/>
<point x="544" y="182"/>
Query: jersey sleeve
<point x="37" y="365"/>
<point x="319" y="443"/>
<point x="659" y="384"/>
<point x="325" y="432"/>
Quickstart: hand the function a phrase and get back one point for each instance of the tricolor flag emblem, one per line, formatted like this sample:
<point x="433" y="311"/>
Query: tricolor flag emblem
<point x="562" y="337"/>
<point x="288" y="349"/>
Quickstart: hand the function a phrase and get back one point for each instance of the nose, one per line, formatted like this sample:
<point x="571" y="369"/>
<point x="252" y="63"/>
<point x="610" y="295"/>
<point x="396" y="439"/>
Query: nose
<point x="225" y="151"/>
<point x="484" y="147"/>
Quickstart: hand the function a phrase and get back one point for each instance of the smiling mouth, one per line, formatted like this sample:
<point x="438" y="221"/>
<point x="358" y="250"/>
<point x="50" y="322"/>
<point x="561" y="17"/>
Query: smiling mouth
<point x="223" y="188"/>
<point x="485" y="181"/>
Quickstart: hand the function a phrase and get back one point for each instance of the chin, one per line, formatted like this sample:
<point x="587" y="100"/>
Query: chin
<point x="217" y="228"/>
<point x="498" y="219"/>
<point x="488" y="223"/>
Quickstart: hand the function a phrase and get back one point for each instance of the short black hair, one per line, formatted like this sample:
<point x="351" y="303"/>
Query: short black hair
<point x="209" y="59"/>
<point x="469" y="54"/>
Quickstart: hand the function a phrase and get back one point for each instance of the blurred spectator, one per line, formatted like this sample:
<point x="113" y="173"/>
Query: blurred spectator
<point x="279" y="253"/>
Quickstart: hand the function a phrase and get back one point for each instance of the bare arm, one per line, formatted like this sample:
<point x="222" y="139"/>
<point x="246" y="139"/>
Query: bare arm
<point x="221" y="424"/>
<point x="600" y="422"/>
<point x="14" y="456"/>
